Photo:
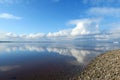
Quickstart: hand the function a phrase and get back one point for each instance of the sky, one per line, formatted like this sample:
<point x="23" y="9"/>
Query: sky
<point x="36" y="19"/>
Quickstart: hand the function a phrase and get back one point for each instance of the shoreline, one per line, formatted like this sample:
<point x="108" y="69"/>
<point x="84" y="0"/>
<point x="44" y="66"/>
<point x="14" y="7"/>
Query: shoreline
<point x="104" y="67"/>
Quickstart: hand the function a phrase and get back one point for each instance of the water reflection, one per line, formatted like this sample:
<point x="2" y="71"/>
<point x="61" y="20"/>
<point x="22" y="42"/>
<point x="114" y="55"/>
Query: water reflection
<point x="8" y="68"/>
<point x="47" y="60"/>
<point x="80" y="53"/>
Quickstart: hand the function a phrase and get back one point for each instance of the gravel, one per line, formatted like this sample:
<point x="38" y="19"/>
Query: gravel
<point x="103" y="67"/>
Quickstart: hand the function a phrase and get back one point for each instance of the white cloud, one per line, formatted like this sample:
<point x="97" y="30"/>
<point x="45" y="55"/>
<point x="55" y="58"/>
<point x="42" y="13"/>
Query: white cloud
<point x="115" y="30"/>
<point x="9" y="16"/>
<point x="13" y="36"/>
<point x="61" y="33"/>
<point x="21" y="37"/>
<point x="112" y="26"/>
<point x="98" y="11"/>
<point x="84" y="27"/>
<point x="35" y="36"/>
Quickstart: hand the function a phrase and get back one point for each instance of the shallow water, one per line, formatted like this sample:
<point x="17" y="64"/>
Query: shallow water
<point x="47" y="61"/>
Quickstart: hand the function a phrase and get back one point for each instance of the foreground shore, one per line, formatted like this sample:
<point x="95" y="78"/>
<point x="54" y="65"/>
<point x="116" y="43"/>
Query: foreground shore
<point x="104" y="67"/>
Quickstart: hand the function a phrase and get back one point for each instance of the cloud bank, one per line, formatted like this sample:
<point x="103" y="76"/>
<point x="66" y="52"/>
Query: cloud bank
<point x="90" y="27"/>
<point x="82" y="27"/>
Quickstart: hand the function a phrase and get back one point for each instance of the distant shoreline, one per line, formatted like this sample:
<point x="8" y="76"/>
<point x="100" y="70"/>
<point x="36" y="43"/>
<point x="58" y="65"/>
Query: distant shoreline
<point x="104" y="67"/>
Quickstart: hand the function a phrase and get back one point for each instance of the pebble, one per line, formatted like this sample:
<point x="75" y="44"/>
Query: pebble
<point x="103" y="67"/>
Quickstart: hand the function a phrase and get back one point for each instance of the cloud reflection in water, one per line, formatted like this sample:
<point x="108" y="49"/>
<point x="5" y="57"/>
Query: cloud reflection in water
<point x="46" y="58"/>
<point x="8" y="68"/>
<point x="80" y="54"/>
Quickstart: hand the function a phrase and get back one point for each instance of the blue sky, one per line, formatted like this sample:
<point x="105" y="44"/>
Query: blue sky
<point x="38" y="15"/>
<point x="53" y="18"/>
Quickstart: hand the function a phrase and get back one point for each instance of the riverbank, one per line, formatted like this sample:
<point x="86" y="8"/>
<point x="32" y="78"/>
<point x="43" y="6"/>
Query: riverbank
<point x="103" y="67"/>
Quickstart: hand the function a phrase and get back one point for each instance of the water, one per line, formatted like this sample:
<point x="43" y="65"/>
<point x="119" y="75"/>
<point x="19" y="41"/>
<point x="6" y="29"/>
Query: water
<point x="47" y="61"/>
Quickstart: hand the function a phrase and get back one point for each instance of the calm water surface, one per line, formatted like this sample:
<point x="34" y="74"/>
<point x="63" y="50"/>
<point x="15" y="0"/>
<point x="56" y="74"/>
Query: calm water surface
<point x="47" y="61"/>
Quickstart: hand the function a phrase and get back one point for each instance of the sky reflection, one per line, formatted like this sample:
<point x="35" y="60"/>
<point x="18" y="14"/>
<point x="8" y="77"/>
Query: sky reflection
<point x="79" y="53"/>
<point x="45" y="59"/>
<point x="8" y="68"/>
